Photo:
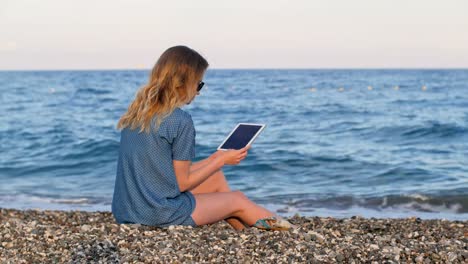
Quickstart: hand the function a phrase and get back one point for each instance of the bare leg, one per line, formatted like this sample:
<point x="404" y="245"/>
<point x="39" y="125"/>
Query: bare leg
<point x="213" y="207"/>
<point x="217" y="183"/>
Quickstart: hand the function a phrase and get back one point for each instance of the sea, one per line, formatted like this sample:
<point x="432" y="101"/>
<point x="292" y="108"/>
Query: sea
<point x="384" y="143"/>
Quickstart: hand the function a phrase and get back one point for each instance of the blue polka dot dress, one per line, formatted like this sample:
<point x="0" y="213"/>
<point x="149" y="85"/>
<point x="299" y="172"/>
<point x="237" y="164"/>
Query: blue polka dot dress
<point x="146" y="189"/>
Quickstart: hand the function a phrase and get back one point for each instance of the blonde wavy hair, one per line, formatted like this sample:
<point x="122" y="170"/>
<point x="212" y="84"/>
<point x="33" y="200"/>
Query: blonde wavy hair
<point x="170" y="85"/>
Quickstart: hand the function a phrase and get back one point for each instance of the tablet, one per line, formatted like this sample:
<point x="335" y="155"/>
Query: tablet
<point x="242" y="135"/>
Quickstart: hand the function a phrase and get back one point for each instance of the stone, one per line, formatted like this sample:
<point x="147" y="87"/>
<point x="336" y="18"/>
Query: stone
<point x="85" y="228"/>
<point x="452" y="256"/>
<point x="339" y="258"/>
<point x="373" y="247"/>
<point x="316" y="236"/>
<point x="419" y="259"/>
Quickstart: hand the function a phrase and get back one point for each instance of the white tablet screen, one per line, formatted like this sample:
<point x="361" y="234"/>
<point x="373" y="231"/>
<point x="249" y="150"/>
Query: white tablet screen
<point x="241" y="136"/>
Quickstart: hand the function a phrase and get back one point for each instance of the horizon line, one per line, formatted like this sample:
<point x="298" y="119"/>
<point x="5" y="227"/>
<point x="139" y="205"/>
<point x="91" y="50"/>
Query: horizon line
<point x="234" y="68"/>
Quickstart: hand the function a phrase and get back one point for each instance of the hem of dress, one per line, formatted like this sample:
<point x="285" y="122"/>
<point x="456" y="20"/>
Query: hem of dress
<point x="194" y="203"/>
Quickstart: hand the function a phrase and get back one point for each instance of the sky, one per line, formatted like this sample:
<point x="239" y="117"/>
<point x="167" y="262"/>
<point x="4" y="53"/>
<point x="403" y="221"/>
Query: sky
<point x="132" y="34"/>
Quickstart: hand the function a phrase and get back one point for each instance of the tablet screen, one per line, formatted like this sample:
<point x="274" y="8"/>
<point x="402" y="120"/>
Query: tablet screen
<point x="241" y="136"/>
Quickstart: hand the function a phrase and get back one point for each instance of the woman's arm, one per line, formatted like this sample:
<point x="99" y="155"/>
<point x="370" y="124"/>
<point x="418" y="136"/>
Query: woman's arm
<point x="197" y="165"/>
<point x="188" y="179"/>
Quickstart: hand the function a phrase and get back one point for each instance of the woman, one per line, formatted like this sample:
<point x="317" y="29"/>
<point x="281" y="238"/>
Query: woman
<point x="156" y="182"/>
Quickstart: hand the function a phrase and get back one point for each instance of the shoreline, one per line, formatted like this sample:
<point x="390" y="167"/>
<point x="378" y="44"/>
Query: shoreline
<point x="79" y="236"/>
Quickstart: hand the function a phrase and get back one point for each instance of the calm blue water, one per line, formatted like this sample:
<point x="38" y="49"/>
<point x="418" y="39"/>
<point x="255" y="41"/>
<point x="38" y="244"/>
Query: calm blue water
<point x="372" y="151"/>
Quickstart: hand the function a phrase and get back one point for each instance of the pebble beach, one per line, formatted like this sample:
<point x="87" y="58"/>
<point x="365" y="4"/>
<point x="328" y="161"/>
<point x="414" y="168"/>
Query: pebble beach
<point x="47" y="236"/>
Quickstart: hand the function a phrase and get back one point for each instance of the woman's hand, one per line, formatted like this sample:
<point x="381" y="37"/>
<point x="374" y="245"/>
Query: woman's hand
<point x="232" y="156"/>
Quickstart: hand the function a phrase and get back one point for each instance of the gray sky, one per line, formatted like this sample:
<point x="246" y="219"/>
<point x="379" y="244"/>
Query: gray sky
<point x="118" y="34"/>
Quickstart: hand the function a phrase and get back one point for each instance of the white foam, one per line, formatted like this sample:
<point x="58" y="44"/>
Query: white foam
<point x="26" y="198"/>
<point x="71" y="201"/>
<point x="22" y="202"/>
<point x="418" y="196"/>
<point x="404" y="210"/>
<point x="416" y="206"/>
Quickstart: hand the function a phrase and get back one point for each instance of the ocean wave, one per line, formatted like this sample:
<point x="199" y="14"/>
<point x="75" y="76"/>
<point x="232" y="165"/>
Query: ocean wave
<point x="409" y="101"/>
<point x="401" y="173"/>
<point x="91" y="90"/>
<point x="456" y="204"/>
<point x="62" y="159"/>
<point x="92" y="148"/>
<point x="434" y="130"/>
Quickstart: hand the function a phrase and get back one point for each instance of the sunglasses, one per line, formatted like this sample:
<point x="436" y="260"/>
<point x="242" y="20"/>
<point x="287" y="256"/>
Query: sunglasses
<point x="200" y="85"/>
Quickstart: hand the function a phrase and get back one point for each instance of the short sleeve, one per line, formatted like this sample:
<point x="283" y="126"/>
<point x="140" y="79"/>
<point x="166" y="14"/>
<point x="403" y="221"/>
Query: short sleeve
<point x="183" y="146"/>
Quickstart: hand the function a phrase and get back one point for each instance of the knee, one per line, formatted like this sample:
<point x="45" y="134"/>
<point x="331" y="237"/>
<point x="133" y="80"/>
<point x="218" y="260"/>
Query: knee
<point x="240" y="196"/>
<point x="222" y="184"/>
<point x="240" y="201"/>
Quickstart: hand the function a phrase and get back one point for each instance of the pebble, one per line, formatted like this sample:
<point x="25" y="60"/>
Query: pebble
<point x="85" y="228"/>
<point x="316" y="236"/>
<point x="36" y="236"/>
<point x="419" y="259"/>
<point x="339" y="257"/>
<point x="373" y="246"/>
<point x="452" y="256"/>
